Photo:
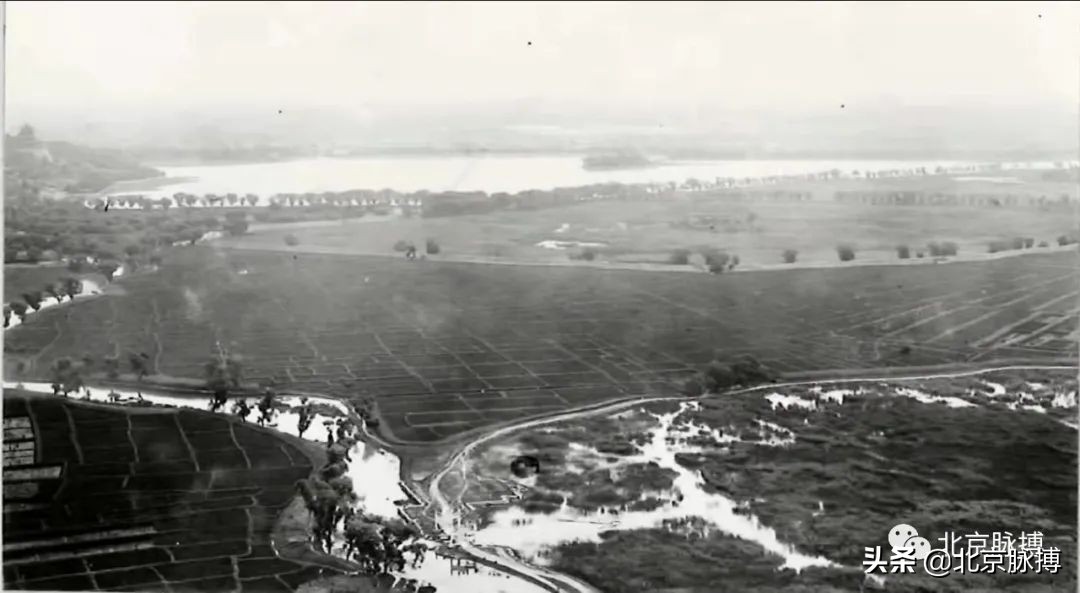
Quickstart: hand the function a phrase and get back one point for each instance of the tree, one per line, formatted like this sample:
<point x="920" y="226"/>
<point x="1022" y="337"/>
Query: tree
<point x="19" y="308"/>
<point x="266" y="408"/>
<point x="33" y="300"/>
<point x="111" y="365"/>
<point x="845" y="252"/>
<point x="903" y="251"/>
<point x="306" y="415"/>
<point x="364" y="544"/>
<point x="222" y="375"/>
<point x="107" y="269"/>
<point x="140" y="364"/>
<point x="54" y="290"/>
<point x="790" y="255"/>
<point x="679" y="257"/>
<point x="73" y="287"/>
<point x="241" y="409"/>
<point x="67" y="376"/>
<point x="715" y="260"/>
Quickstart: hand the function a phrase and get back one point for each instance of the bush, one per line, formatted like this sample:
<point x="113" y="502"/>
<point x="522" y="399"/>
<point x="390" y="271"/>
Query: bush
<point x="716" y="260"/>
<point x="1018" y="243"/>
<point x="790" y="255"/>
<point x="1029" y="242"/>
<point x="1000" y="245"/>
<point x="402" y="245"/>
<point x="291" y="240"/>
<point x="903" y="251"/>
<point x="845" y="252"/>
<point x="589" y="253"/>
<point x="679" y="257"/>
<point x="432" y="247"/>
<point x="1043" y="244"/>
<point x="944" y="249"/>
<point x="920" y="254"/>
<point x="717" y="376"/>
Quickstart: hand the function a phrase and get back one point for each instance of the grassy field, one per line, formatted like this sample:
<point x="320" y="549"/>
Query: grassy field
<point x="758" y="231"/>
<point x="149" y="499"/>
<point x="444" y="348"/>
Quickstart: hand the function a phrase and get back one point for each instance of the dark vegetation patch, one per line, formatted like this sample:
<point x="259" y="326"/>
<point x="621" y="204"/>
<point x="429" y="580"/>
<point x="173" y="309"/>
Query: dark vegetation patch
<point x="198" y="534"/>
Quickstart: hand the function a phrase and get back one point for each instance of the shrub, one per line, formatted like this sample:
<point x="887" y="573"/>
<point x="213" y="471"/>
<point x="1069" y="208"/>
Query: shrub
<point x="1018" y="243"/>
<point x="1029" y="242"/>
<point x="432" y="247"/>
<point x="943" y="249"/>
<point x="845" y="252"/>
<point x="1043" y="244"/>
<point x="920" y="254"/>
<point x="589" y="253"/>
<point x="790" y="255"/>
<point x="716" y="260"/>
<point x="903" y="251"/>
<point x="291" y="240"/>
<point x="679" y="257"/>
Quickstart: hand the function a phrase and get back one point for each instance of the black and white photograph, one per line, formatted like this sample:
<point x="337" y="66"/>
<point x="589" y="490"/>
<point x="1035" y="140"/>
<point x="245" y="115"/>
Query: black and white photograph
<point x="540" y="297"/>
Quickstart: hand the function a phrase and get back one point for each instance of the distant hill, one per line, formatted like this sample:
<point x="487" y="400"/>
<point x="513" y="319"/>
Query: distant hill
<point x="52" y="168"/>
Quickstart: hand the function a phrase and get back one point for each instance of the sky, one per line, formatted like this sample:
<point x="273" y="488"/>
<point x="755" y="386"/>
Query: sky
<point x="688" y="61"/>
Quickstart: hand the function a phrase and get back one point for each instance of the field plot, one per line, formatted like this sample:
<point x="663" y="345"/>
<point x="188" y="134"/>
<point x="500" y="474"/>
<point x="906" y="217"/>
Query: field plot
<point x="144" y="500"/>
<point x="446" y="348"/>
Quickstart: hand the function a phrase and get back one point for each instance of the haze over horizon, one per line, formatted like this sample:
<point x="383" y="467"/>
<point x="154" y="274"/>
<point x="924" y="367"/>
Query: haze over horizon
<point x="843" y="76"/>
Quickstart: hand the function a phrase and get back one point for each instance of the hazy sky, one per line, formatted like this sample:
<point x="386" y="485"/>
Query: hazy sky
<point x="370" y="58"/>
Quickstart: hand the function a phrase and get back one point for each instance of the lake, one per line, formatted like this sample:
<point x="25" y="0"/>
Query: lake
<point x="501" y="173"/>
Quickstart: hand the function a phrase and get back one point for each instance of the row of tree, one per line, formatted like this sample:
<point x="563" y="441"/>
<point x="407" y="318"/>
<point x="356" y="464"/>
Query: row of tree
<point x="69" y="288"/>
<point x="920" y="198"/>
<point x="378" y="545"/>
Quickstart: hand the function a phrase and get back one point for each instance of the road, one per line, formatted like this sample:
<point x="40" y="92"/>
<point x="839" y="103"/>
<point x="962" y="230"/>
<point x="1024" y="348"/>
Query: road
<point x="447" y="514"/>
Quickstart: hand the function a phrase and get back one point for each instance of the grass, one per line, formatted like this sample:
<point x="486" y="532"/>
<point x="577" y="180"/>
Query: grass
<point x="649" y="231"/>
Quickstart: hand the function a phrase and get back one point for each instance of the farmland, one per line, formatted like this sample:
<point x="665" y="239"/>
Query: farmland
<point x="146" y="500"/>
<point x="445" y="348"/>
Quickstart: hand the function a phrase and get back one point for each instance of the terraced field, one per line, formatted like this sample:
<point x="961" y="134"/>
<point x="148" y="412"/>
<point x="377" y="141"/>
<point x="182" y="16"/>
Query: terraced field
<point x="99" y="498"/>
<point x="445" y="348"/>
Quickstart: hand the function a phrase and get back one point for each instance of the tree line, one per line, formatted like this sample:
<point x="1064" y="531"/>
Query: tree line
<point x="921" y="198"/>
